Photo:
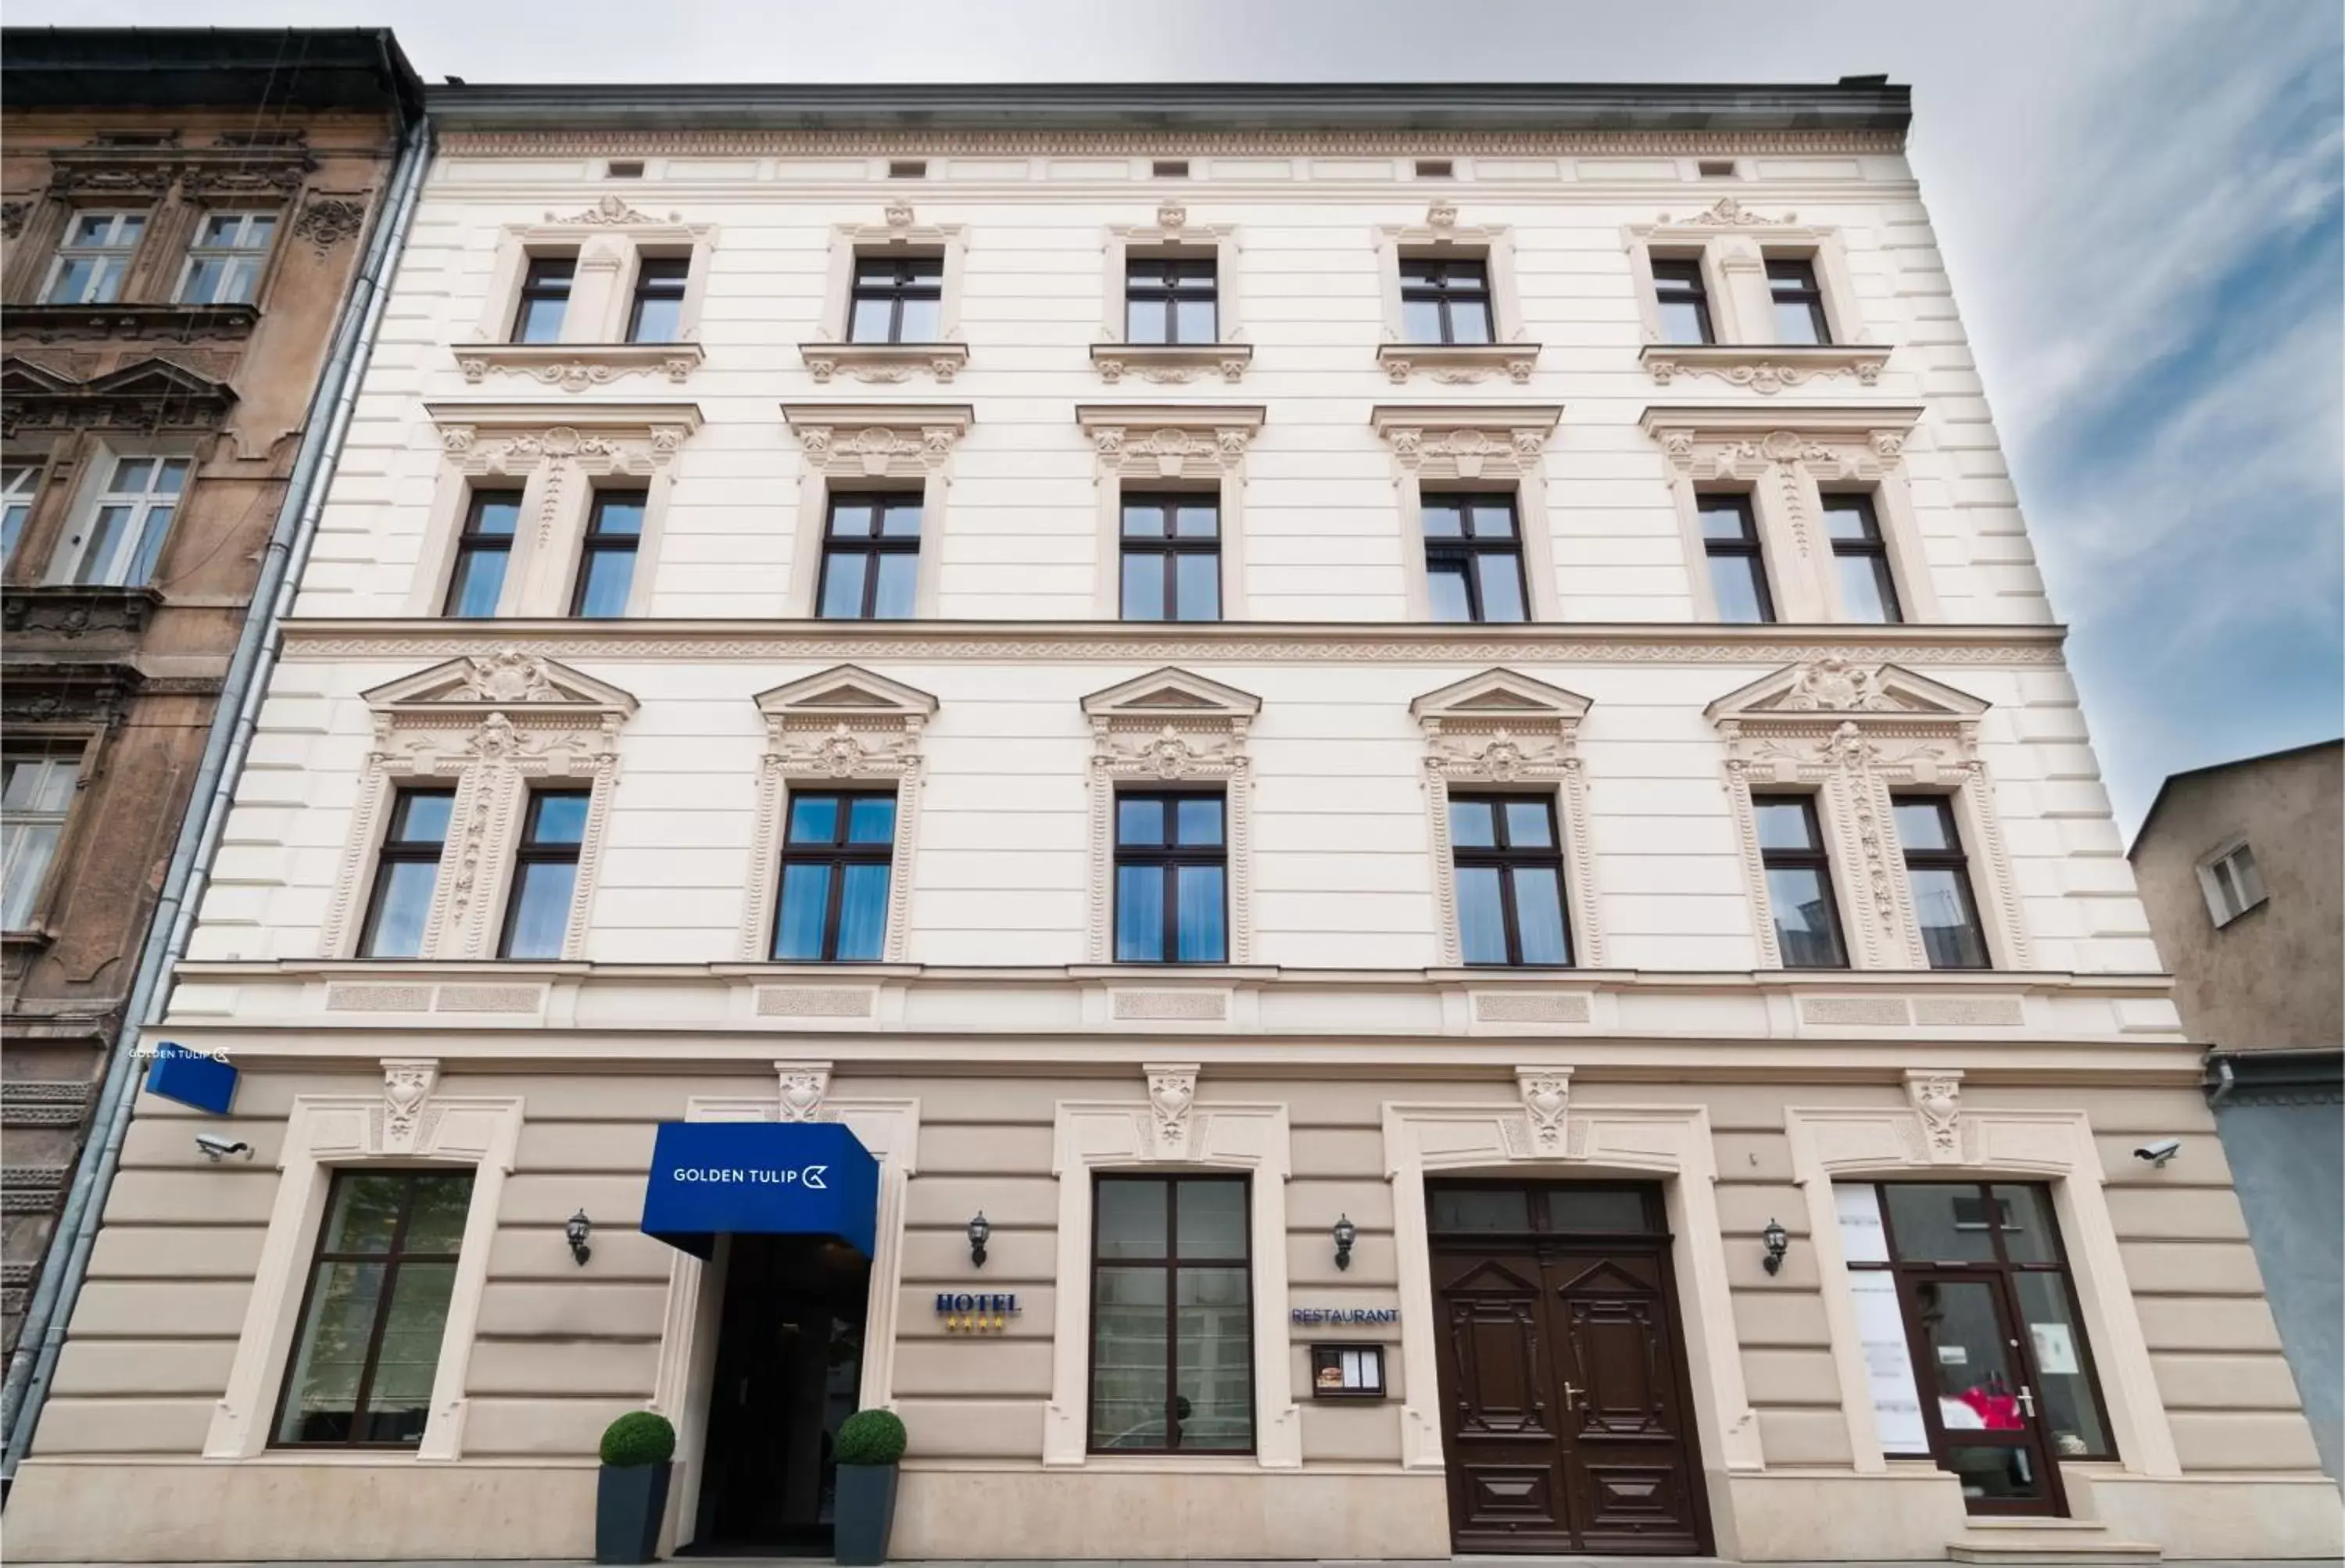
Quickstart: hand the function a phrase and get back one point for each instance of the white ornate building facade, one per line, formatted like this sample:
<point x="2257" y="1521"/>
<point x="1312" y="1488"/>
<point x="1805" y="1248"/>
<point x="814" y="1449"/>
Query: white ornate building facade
<point x="1410" y="736"/>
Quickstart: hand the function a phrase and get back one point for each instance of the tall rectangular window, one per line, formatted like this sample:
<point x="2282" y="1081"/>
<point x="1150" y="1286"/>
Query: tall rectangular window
<point x="657" y="314"/>
<point x="1445" y="301"/>
<point x="837" y="862"/>
<point x="1799" y="882"/>
<point x="870" y="557"/>
<point x="545" y="299"/>
<point x="1683" y="301"/>
<point x="1737" y="567"/>
<point x="95" y="257"/>
<point x="406" y="868"/>
<point x="1509" y="866"/>
<point x="1799" y="302"/>
<point x="19" y="483"/>
<point x="375" y="1309"/>
<point x="1473" y="558"/>
<point x="545" y="875"/>
<point x="484" y="551"/>
<point x="1172" y="558"/>
<point x="224" y="263"/>
<point x="122" y="535"/>
<point x="36" y="794"/>
<point x="1868" y="589"/>
<point x="1170" y="299"/>
<point x="1171" y="874"/>
<point x="1171" y="1316"/>
<point x="606" y="565"/>
<point x="897" y="299"/>
<point x="1940" y="876"/>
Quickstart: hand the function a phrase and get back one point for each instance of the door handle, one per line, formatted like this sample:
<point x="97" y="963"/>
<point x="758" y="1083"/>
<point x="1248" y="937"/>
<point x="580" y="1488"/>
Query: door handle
<point x="1571" y="1392"/>
<point x="2028" y="1401"/>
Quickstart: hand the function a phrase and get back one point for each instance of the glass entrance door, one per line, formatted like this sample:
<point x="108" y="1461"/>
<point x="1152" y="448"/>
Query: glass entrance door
<point x="1983" y="1415"/>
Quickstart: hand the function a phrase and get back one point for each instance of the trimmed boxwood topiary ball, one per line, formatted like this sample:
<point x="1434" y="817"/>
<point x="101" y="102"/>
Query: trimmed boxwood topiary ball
<point x="871" y="1437"/>
<point x="638" y="1438"/>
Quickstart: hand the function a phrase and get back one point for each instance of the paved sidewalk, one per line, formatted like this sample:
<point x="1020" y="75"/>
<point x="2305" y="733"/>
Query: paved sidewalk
<point x="1522" y="1562"/>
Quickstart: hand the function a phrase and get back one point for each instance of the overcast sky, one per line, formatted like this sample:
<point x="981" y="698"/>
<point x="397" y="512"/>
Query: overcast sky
<point x="2138" y="201"/>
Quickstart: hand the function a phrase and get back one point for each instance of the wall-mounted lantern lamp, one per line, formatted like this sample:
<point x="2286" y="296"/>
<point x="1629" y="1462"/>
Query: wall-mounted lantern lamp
<point x="1777" y="1240"/>
<point x="579" y="1228"/>
<point x="1347" y="1233"/>
<point x="980" y="1230"/>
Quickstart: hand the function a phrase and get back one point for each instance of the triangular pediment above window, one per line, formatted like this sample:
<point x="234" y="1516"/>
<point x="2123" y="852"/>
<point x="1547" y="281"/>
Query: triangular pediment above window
<point x="1834" y="689"/>
<point x="1501" y="694"/>
<point x="1172" y="693"/>
<point x="22" y="378"/>
<point x="847" y="692"/>
<point x="512" y="680"/>
<point x="159" y="378"/>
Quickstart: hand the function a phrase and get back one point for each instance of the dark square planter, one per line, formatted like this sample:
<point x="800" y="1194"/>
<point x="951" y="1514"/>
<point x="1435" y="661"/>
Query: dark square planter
<point x="628" y="1502"/>
<point x="866" y="1513"/>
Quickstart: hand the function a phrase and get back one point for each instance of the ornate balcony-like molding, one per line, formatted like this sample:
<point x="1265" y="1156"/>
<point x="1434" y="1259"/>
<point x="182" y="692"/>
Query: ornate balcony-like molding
<point x="1457" y="365"/>
<point x="157" y="323"/>
<point x="577" y="367"/>
<point x="1171" y="364"/>
<point x="1763" y="367"/>
<point x="73" y="610"/>
<point x="884" y="364"/>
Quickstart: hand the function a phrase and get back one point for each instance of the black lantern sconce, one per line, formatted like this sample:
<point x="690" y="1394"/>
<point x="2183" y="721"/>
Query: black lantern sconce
<point x="980" y="1230"/>
<point x="1778" y="1240"/>
<point x="1347" y="1233"/>
<point x="579" y="1228"/>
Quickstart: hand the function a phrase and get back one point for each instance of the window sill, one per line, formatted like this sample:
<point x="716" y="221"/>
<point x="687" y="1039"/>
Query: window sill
<point x="1763" y="367"/>
<point x="73" y="610"/>
<point x="575" y="366"/>
<point x="1458" y="364"/>
<point x="176" y="323"/>
<point x="30" y="939"/>
<point x="1176" y="363"/>
<point x="885" y="364"/>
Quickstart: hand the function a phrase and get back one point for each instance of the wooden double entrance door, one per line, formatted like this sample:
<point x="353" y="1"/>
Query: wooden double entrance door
<point x="1566" y="1425"/>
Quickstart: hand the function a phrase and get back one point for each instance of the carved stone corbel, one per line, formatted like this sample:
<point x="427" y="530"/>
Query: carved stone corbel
<point x="1547" y="1102"/>
<point x="804" y="1087"/>
<point x="1172" y="1095"/>
<point x="1937" y="1095"/>
<point x="408" y="1115"/>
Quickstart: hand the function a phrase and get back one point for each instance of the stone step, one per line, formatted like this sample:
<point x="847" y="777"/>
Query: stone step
<point x="2026" y="1542"/>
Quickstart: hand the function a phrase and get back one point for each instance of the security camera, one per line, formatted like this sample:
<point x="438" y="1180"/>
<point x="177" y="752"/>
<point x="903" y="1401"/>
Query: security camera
<point x="217" y="1149"/>
<point x="2158" y="1153"/>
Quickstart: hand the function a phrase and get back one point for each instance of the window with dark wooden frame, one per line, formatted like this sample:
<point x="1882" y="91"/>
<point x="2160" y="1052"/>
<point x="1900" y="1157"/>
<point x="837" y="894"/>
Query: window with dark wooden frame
<point x="545" y="299"/>
<point x="871" y="557"/>
<point x="1798" y="871"/>
<point x="545" y="875"/>
<point x="1738" y="565"/>
<point x="1912" y="1245"/>
<point x="1940" y="876"/>
<point x="656" y="315"/>
<point x="1799" y="302"/>
<point x="1508" y="862"/>
<point x="1445" y="301"/>
<point x="1683" y="300"/>
<point x="839" y="854"/>
<point x="1473" y="557"/>
<point x="1868" y="588"/>
<point x="1170" y="299"/>
<point x="406" y="868"/>
<point x="1172" y="566"/>
<point x="374" y="1310"/>
<point x="1171" y="1351"/>
<point x="896" y="300"/>
<point x="1171" y="877"/>
<point x="484" y="551"/>
<point x="606" y="560"/>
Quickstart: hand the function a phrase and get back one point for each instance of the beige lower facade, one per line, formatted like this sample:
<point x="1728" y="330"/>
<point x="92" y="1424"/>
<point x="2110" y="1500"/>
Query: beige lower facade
<point x="159" y="1440"/>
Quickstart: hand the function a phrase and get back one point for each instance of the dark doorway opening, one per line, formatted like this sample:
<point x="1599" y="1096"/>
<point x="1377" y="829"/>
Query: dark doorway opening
<point x="789" y="1362"/>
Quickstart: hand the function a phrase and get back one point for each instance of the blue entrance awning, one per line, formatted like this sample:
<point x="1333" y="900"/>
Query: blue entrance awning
<point x="760" y="1178"/>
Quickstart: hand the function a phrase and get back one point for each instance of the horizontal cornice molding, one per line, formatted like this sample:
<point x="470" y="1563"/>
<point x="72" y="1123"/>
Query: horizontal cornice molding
<point x="1116" y="641"/>
<point x="628" y="140"/>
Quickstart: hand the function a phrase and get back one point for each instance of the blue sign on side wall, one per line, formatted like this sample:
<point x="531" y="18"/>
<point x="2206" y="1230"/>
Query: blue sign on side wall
<point x="192" y="1078"/>
<point x="760" y="1178"/>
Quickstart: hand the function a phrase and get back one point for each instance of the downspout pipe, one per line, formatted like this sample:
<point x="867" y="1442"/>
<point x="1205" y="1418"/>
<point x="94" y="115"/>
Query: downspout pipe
<point x="246" y="684"/>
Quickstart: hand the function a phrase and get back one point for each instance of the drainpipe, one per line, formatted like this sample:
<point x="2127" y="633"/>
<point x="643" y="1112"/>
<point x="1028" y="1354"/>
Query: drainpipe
<point x="66" y="1263"/>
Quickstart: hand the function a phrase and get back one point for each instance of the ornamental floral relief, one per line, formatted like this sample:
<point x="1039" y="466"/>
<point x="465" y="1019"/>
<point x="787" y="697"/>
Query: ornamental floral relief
<point x="1172" y="1096"/>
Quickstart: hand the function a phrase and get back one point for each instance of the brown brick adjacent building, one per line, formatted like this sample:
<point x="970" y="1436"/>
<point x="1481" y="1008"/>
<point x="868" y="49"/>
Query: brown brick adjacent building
<point x="185" y="212"/>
